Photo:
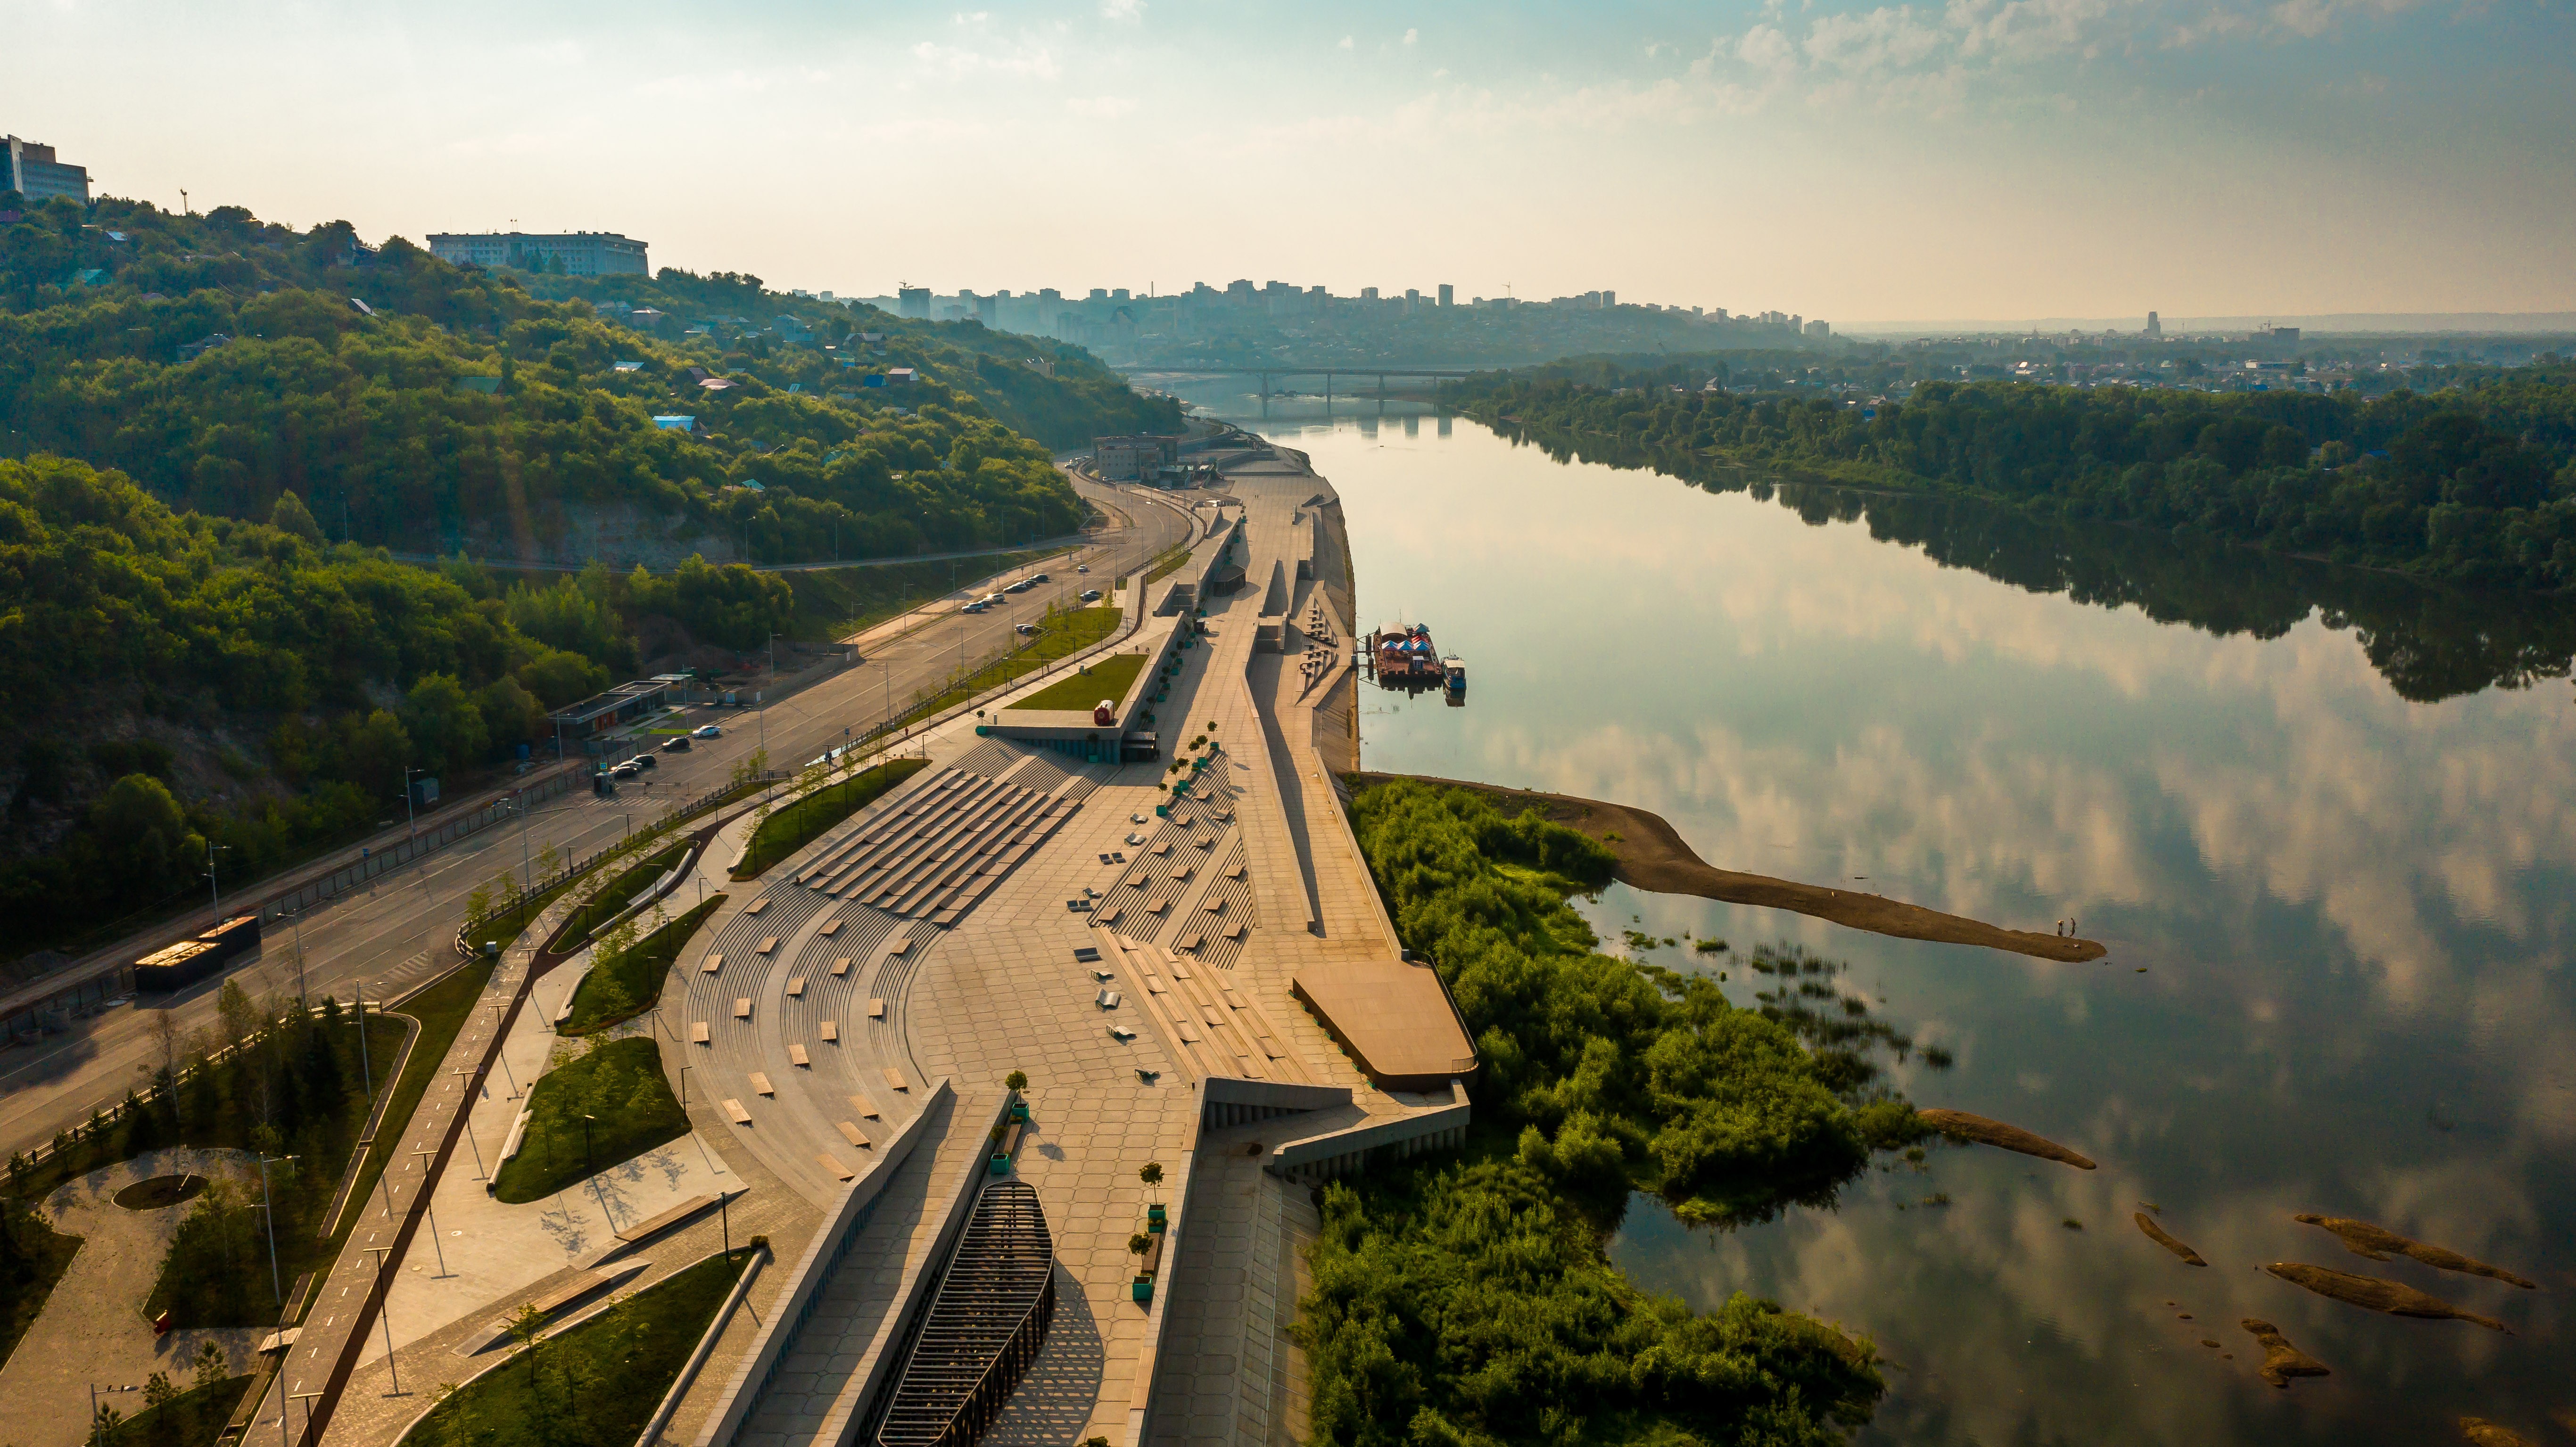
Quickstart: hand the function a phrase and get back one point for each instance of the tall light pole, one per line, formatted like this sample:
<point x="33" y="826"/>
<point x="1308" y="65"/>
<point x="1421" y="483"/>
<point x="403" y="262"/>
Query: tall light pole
<point x="268" y="1213"/>
<point x="297" y="919"/>
<point x="214" y="890"/>
<point x="411" y="822"/>
<point x="384" y="1313"/>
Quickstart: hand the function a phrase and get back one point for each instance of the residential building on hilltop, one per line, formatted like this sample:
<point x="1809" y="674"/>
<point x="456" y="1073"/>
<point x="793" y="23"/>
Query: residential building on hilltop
<point x="575" y="253"/>
<point x="35" y="173"/>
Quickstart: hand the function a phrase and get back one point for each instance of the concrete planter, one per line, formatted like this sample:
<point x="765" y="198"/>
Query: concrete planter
<point x="1001" y="1164"/>
<point x="1141" y="1291"/>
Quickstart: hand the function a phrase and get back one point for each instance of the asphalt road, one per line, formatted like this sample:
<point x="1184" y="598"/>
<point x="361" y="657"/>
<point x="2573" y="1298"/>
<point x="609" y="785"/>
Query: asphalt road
<point x="399" y="932"/>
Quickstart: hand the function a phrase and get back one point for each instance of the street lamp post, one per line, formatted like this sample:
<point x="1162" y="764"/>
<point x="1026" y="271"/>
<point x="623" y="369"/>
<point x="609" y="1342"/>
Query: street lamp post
<point x="411" y="820"/>
<point x="269" y="1214"/>
<point x="215" y="893"/>
<point x="586" y="1119"/>
<point x="384" y="1314"/>
<point x="480" y="1173"/>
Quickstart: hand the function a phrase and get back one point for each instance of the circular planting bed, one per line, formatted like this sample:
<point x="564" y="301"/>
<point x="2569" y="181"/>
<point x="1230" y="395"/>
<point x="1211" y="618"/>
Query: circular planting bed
<point x="160" y="1192"/>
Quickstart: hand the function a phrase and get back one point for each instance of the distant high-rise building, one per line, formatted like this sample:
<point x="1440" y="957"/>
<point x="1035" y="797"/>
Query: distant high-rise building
<point x="2155" y="327"/>
<point x="1368" y="293"/>
<point x="33" y="172"/>
<point x="1412" y="296"/>
<point x="1100" y="293"/>
<point x="575" y="253"/>
<point x="988" y="310"/>
<point x="1609" y="298"/>
<point x="1820" y="330"/>
<point x="912" y="301"/>
<point x="1118" y="293"/>
<point x="1448" y="294"/>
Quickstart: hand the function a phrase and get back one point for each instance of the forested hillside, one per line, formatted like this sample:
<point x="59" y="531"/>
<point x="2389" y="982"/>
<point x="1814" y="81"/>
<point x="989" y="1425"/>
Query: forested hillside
<point x="174" y="678"/>
<point x="221" y="361"/>
<point x="2474" y="484"/>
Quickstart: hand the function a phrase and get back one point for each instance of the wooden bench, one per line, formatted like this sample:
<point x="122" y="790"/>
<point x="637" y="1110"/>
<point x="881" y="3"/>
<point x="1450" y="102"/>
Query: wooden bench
<point x="796" y="1054"/>
<point x="895" y="1078"/>
<point x="866" y="1108"/>
<point x="653" y="1225"/>
<point x="697" y="1032"/>
<point x="1011" y="1139"/>
<point x="850" y="1132"/>
<point x="796" y="987"/>
<point x="830" y="929"/>
<point x="742" y="1007"/>
<point x="876" y="1009"/>
<point x="740" y="1116"/>
<point x="757" y="906"/>
<point x="831" y="1030"/>
<point x="768" y="945"/>
<point x="760" y="1085"/>
<point x="713" y="964"/>
<point x="840" y="967"/>
<point x="835" y="1167"/>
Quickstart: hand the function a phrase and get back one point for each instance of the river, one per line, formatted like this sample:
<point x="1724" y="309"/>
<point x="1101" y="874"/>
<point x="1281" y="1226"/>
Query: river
<point x="2320" y="818"/>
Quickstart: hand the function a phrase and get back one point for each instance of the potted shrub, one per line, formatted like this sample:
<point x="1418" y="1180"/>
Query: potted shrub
<point x="1015" y="1082"/>
<point x="1001" y="1164"/>
<point x="1141" y="1290"/>
<point x="1152" y="1176"/>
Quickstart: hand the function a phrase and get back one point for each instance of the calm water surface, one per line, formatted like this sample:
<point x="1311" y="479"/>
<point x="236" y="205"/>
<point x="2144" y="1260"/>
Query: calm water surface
<point x="2353" y="912"/>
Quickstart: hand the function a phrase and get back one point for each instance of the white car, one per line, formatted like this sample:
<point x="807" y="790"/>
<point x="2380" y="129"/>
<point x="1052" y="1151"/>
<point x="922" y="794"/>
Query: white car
<point x="707" y="731"/>
<point x="1024" y="629"/>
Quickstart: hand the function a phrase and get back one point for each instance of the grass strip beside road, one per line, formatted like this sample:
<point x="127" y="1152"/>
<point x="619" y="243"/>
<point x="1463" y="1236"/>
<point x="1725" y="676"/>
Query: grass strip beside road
<point x="792" y="828"/>
<point x="33" y="1256"/>
<point x="834" y="603"/>
<point x="612" y="897"/>
<point x="1170" y="562"/>
<point x="618" y="1086"/>
<point x="629" y="982"/>
<point x="596" y="1384"/>
<point x="1105" y="678"/>
<point x="442" y="1010"/>
<point x="1086" y="626"/>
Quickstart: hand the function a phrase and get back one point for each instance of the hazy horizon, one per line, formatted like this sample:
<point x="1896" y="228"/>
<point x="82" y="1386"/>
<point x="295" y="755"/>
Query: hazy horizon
<point x="1984" y="158"/>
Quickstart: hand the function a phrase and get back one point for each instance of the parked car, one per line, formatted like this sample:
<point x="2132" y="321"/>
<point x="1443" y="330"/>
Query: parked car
<point x="645" y="761"/>
<point x="1038" y="578"/>
<point x="626" y="770"/>
<point x="707" y="731"/>
<point x="679" y="745"/>
<point x="978" y="606"/>
<point x="1024" y="629"/>
<point x="1021" y="586"/>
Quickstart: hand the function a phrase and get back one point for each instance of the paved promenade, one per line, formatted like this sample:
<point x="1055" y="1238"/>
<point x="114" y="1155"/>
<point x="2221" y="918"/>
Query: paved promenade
<point x="842" y="1026"/>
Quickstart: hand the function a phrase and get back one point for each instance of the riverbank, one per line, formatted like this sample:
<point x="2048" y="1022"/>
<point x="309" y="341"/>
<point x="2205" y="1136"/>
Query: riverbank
<point x="1652" y="855"/>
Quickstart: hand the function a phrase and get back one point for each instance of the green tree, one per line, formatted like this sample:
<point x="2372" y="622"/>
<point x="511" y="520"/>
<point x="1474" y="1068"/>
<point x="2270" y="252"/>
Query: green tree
<point x="445" y="724"/>
<point x="146" y="836"/>
<point x="290" y="515"/>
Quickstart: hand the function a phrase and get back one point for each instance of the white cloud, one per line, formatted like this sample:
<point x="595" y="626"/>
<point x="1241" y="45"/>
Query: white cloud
<point x="1410" y="36"/>
<point x="958" y="62"/>
<point x="1101" y="107"/>
<point x="1122" y="9"/>
<point x="1767" y="47"/>
<point x="1347" y="43"/>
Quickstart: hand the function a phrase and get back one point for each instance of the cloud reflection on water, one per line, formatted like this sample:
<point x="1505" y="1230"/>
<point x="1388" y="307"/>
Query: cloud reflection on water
<point x="2354" y="910"/>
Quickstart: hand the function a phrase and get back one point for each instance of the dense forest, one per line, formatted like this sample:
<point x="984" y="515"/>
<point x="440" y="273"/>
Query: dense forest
<point x="1470" y="1301"/>
<point x="2472" y="485"/>
<point x="221" y="361"/>
<point x="298" y="679"/>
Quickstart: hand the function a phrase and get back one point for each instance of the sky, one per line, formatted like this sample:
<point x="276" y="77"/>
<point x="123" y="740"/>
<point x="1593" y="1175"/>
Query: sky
<point x="1839" y="159"/>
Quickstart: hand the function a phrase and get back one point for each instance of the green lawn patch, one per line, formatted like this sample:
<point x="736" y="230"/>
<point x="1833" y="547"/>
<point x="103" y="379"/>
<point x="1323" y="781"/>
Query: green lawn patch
<point x="833" y="603"/>
<point x="595" y="1385"/>
<point x="33" y="1256"/>
<point x="1170" y="562"/>
<point x="612" y="897"/>
<point x="619" y="1083"/>
<point x="1061" y="633"/>
<point x="624" y="983"/>
<point x="793" y="827"/>
<point x="441" y="1010"/>
<point x="194" y="1418"/>
<point x="1102" y="678"/>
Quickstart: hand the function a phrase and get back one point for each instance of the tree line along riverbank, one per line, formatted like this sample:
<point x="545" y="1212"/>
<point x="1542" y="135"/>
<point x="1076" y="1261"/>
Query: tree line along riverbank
<point x="2472" y="485"/>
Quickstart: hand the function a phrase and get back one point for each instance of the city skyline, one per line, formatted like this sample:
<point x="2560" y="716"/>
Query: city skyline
<point x="2037" y="158"/>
